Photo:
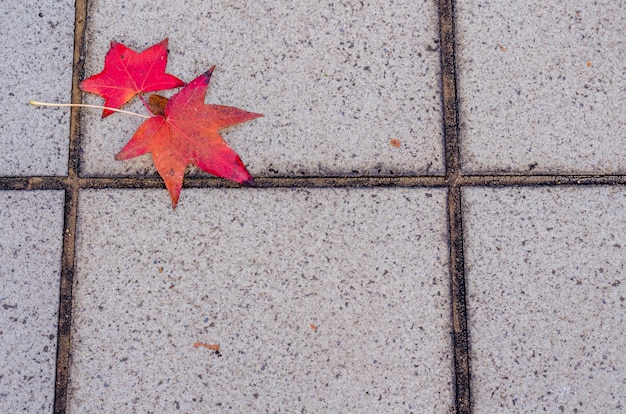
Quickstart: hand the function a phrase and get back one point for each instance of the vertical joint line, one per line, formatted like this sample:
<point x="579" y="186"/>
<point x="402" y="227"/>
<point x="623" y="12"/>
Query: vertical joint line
<point x="460" y="336"/>
<point x="455" y="217"/>
<point x="69" y="219"/>
<point x="80" y="19"/>
<point x="65" y="301"/>
<point x="449" y="91"/>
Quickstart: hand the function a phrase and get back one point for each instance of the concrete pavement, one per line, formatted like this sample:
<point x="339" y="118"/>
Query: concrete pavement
<point x="328" y="288"/>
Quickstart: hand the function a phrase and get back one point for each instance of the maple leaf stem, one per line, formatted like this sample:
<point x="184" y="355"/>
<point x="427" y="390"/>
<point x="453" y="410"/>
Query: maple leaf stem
<point x="36" y="103"/>
<point x="145" y="104"/>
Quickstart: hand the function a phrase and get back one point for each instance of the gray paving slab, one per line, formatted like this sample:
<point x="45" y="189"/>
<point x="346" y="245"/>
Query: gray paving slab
<point x="336" y="81"/>
<point x="322" y="300"/>
<point x="546" y="272"/>
<point x="542" y="86"/>
<point x="31" y="229"/>
<point x="37" y="42"/>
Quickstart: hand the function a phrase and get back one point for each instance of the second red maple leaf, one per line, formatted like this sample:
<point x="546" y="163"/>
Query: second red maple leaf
<point x="128" y="73"/>
<point x="188" y="133"/>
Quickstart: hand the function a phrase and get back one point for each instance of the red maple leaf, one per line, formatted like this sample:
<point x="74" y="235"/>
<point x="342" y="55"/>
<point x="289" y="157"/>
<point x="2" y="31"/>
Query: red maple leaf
<point x="188" y="133"/>
<point x="128" y="73"/>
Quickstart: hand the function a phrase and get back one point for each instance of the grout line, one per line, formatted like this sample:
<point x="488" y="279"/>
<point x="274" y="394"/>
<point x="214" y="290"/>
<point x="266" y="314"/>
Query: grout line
<point x="65" y="301"/>
<point x="71" y="184"/>
<point x="145" y="182"/>
<point x="448" y="89"/>
<point x="460" y="334"/>
<point x="458" y="309"/>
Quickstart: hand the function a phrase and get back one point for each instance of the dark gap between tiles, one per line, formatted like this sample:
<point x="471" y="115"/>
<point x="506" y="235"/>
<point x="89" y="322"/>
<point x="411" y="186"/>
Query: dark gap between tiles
<point x="460" y="334"/>
<point x="454" y="180"/>
<point x="65" y="300"/>
<point x="60" y="183"/>
<point x="72" y="185"/>
<point x="458" y="307"/>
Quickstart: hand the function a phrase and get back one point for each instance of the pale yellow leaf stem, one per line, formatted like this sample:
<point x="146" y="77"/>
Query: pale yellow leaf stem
<point x="36" y="103"/>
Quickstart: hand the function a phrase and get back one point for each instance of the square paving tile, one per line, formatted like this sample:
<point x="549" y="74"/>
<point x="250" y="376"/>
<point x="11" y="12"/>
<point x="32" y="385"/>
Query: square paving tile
<point x="37" y="43"/>
<point x="546" y="289"/>
<point x="31" y="225"/>
<point x="542" y="86"/>
<point x="322" y="300"/>
<point x="336" y="81"/>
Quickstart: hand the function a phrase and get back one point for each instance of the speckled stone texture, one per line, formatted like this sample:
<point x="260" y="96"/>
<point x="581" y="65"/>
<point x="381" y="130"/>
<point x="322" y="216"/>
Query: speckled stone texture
<point x="322" y="300"/>
<point x="541" y="86"/>
<point x="546" y="290"/>
<point x="31" y="225"/>
<point x="336" y="81"/>
<point x="37" y="43"/>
